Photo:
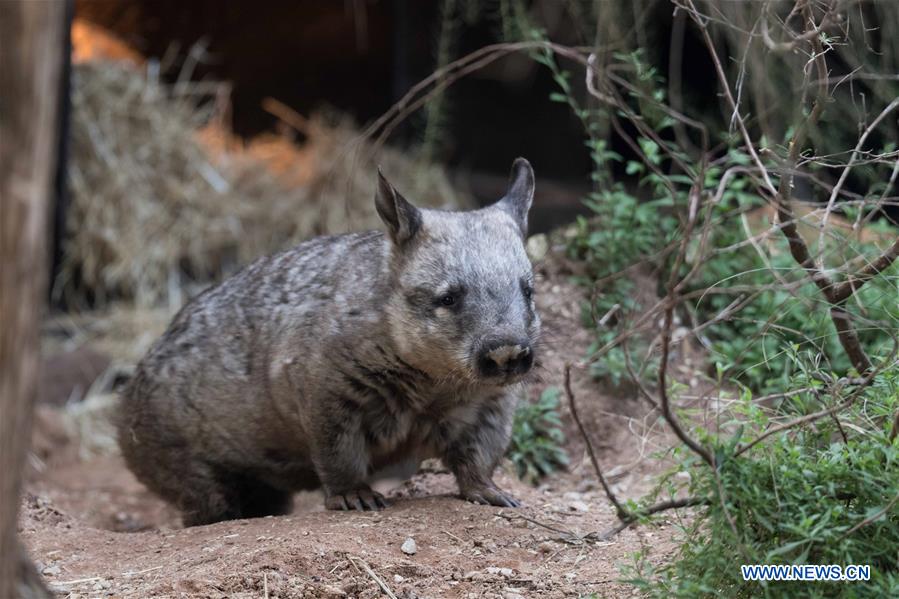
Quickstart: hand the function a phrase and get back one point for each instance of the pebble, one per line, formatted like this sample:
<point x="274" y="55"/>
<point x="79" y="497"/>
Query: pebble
<point x="398" y="579"/>
<point x="578" y="506"/>
<point x="409" y="547"/>
<point x="504" y="572"/>
<point x="331" y="591"/>
<point x="51" y="570"/>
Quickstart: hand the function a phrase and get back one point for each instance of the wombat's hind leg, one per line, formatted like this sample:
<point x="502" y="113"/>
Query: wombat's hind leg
<point x="258" y="499"/>
<point x="207" y="501"/>
<point x="230" y="496"/>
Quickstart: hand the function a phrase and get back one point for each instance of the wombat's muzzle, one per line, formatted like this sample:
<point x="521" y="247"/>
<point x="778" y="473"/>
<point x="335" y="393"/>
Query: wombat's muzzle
<point x="505" y="358"/>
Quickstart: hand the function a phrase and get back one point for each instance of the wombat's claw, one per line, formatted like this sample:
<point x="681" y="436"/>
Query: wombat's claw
<point x="359" y="500"/>
<point x="491" y="496"/>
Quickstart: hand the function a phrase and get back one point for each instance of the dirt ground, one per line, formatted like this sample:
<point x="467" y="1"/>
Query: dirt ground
<point x="96" y="532"/>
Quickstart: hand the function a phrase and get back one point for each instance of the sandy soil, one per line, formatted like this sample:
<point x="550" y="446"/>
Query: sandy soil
<point x="96" y="532"/>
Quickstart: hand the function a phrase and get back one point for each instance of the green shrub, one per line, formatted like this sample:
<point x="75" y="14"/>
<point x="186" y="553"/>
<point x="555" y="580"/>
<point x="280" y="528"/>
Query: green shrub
<point x="537" y="438"/>
<point x="824" y="492"/>
<point x="755" y="346"/>
<point x="800" y="497"/>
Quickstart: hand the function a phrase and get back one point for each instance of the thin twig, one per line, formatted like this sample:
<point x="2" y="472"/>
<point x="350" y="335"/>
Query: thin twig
<point x="620" y="510"/>
<point x="371" y="573"/>
<point x="653" y="509"/>
<point x="858" y="146"/>
<point x="568" y="535"/>
<point x="861" y="384"/>
<point x="673" y="289"/>
<point x="870" y="518"/>
<point x="286" y="114"/>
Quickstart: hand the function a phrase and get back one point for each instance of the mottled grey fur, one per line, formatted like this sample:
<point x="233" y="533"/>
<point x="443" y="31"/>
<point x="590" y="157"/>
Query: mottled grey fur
<point x="342" y="357"/>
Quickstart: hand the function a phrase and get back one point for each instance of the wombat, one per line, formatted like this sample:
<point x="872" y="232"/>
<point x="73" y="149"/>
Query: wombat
<point x="346" y="356"/>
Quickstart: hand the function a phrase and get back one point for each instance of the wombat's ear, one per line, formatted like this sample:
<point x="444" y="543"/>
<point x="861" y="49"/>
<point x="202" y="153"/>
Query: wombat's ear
<point x="403" y="220"/>
<point x="520" y="194"/>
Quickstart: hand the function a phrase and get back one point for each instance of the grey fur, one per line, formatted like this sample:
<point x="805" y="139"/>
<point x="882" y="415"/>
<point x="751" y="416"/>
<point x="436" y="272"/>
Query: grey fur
<point x="329" y="362"/>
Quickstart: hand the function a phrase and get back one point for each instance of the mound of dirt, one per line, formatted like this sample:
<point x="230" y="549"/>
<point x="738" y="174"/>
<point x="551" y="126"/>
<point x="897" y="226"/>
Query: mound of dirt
<point x="96" y="531"/>
<point x="461" y="549"/>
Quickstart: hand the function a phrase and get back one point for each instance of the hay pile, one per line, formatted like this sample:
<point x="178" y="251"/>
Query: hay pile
<point x="156" y="210"/>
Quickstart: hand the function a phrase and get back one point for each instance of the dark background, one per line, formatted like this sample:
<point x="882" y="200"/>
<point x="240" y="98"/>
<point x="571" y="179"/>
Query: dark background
<point x="362" y="56"/>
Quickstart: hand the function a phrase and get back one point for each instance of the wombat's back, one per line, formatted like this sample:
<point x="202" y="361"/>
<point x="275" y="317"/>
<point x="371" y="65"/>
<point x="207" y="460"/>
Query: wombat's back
<point x="205" y="388"/>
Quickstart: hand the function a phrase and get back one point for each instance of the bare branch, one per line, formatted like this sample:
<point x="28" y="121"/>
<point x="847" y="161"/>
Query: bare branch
<point x="861" y="384"/>
<point x="816" y="30"/>
<point x="858" y="146"/>
<point x="621" y="511"/>
<point x="722" y="77"/>
<point x="674" y="287"/>
<point x="870" y="518"/>
<point x="854" y="282"/>
<point x="653" y="509"/>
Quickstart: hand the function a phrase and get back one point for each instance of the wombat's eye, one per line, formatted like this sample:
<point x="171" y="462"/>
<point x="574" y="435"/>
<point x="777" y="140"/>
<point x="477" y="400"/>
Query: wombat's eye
<point x="528" y="292"/>
<point x="450" y="298"/>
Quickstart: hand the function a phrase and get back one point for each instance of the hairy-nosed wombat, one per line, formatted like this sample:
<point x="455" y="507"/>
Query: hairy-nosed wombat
<point x="344" y="356"/>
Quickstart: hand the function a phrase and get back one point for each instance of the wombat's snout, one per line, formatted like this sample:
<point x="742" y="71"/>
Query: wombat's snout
<point x="505" y="357"/>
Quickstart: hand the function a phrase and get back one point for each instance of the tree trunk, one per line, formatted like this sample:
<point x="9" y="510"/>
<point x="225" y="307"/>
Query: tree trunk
<point x="31" y="53"/>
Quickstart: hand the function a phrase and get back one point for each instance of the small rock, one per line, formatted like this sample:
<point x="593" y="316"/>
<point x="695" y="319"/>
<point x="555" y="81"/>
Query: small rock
<point x="586" y="485"/>
<point x="512" y="595"/>
<point x="409" y="547"/>
<point x="51" y="570"/>
<point x="578" y="506"/>
<point x="504" y="572"/>
<point x="398" y="579"/>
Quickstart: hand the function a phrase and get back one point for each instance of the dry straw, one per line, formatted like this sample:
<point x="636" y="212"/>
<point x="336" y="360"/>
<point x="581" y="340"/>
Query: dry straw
<point x="157" y="209"/>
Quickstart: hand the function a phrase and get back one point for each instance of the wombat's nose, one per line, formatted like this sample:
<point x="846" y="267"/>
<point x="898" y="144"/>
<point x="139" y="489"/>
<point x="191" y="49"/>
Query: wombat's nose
<point x="505" y="357"/>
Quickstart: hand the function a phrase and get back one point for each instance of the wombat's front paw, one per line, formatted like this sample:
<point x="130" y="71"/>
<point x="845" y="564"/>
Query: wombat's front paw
<point x="490" y="496"/>
<point x="360" y="499"/>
